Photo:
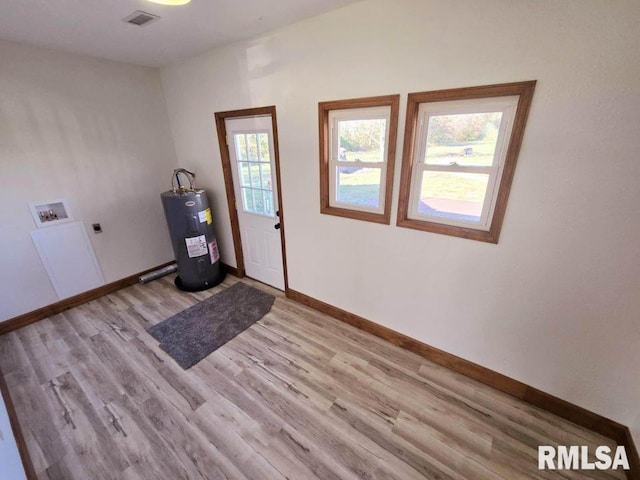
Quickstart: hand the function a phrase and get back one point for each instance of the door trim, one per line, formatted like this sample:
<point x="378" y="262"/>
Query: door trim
<point x="221" y="128"/>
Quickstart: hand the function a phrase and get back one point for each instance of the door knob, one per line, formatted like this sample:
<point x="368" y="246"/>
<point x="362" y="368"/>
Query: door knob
<point x="277" y="226"/>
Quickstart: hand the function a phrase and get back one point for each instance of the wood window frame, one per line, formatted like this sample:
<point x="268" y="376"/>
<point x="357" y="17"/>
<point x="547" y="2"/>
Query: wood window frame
<point x="524" y="91"/>
<point x="324" y="108"/>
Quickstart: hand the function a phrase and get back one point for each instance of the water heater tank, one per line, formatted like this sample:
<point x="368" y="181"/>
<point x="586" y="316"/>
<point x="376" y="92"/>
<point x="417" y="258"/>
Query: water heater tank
<point x="192" y="236"/>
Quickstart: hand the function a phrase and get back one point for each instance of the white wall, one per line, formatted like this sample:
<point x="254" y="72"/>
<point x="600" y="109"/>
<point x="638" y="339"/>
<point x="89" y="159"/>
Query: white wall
<point x="556" y="303"/>
<point x="96" y="133"/>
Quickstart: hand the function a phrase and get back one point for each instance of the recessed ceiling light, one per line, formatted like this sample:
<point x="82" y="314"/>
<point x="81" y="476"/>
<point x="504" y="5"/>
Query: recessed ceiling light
<point x="170" y="2"/>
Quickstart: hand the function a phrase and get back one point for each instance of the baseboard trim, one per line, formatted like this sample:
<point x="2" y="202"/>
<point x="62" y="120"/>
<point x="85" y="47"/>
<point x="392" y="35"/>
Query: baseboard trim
<point x="229" y="269"/>
<point x="71" y="302"/>
<point x="27" y="464"/>
<point x="578" y="415"/>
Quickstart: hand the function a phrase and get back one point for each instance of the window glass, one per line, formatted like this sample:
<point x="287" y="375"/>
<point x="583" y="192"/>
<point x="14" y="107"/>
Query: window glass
<point x="268" y="202"/>
<point x="241" y="146"/>
<point x="361" y="140"/>
<point x="358" y="186"/>
<point x="247" y="200"/>
<point x="243" y="170"/>
<point x="452" y="195"/>
<point x="252" y="147"/>
<point x="465" y="139"/>
<point x="263" y="144"/>
<point x="258" y="201"/>
<point x="254" y="170"/>
<point x="266" y="176"/>
<point x="453" y="183"/>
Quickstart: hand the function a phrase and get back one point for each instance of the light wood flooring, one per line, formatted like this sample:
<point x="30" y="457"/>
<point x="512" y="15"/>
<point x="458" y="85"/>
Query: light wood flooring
<point x="298" y="395"/>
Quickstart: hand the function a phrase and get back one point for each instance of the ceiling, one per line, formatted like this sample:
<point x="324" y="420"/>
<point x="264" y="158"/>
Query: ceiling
<point x="95" y="27"/>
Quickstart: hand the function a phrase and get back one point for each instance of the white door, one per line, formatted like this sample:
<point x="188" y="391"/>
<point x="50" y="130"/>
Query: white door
<point x="251" y="151"/>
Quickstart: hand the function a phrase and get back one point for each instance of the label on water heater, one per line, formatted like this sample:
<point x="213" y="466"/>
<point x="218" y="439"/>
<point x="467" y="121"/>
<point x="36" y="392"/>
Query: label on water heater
<point x="205" y="216"/>
<point x="213" y="252"/>
<point x="196" y="246"/>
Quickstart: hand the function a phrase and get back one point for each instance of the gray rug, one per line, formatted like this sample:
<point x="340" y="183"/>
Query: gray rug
<point x="194" y="333"/>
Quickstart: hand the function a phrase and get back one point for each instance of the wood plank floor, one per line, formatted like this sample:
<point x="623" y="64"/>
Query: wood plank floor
<point x="298" y="395"/>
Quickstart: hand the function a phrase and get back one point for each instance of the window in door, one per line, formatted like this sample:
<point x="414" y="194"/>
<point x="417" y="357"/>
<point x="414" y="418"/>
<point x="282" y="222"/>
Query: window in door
<point x="254" y="172"/>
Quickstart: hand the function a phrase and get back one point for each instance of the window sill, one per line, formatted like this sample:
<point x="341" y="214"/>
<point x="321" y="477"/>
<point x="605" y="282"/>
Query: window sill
<point x="383" y="218"/>
<point x="490" y="236"/>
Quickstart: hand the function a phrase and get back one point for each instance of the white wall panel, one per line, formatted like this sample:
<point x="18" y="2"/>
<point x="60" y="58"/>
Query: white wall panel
<point x="68" y="258"/>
